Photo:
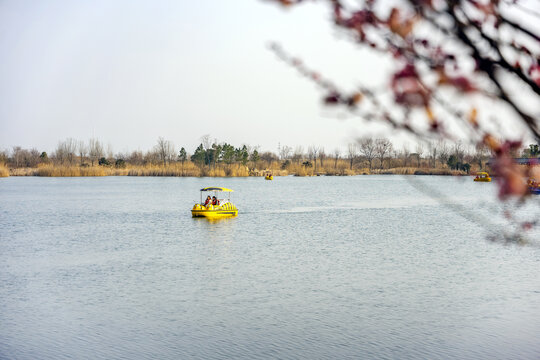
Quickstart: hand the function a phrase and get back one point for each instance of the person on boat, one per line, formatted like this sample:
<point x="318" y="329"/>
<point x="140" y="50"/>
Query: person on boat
<point x="208" y="201"/>
<point x="215" y="201"/>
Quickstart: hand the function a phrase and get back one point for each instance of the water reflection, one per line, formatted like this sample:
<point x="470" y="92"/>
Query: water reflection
<point x="216" y="229"/>
<point x="215" y="221"/>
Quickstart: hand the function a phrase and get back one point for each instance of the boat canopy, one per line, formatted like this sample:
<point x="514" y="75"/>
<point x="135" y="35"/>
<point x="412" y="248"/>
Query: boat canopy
<point x="482" y="173"/>
<point x="214" y="188"/>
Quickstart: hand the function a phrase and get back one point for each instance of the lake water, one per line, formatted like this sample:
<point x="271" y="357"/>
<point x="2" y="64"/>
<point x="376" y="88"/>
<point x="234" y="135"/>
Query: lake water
<point x="325" y="267"/>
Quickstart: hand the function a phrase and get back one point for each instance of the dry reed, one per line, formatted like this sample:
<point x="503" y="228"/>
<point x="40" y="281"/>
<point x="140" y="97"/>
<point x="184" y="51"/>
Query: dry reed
<point x="4" y="171"/>
<point x="190" y="169"/>
<point x="23" y="172"/>
<point x="332" y="168"/>
<point x="71" y="171"/>
<point x="417" y="171"/>
<point x="329" y="167"/>
<point x="171" y="170"/>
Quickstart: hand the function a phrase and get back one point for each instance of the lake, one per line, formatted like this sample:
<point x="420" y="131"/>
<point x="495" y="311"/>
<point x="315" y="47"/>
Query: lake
<point x="321" y="267"/>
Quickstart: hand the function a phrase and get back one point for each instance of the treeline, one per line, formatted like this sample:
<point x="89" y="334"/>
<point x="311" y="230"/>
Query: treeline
<point x="212" y="158"/>
<point x="71" y="152"/>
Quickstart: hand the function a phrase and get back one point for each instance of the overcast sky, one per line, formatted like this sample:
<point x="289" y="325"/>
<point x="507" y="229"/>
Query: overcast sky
<point x="130" y="71"/>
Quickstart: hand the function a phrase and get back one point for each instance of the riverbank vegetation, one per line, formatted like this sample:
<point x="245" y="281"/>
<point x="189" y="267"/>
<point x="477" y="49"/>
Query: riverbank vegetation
<point x="74" y="158"/>
<point x="4" y="171"/>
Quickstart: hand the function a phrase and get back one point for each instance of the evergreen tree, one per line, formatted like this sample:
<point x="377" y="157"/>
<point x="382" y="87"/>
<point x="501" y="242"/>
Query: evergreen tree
<point x="453" y="162"/>
<point x="182" y="156"/>
<point x="244" y="155"/>
<point x="228" y="153"/>
<point x="199" y="156"/>
<point x="255" y="157"/>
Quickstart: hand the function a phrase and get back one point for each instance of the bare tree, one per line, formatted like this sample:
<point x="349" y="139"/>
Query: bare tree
<point x="165" y="150"/>
<point x="337" y="154"/>
<point x="459" y="151"/>
<point x="444" y="152"/>
<point x="310" y="153"/>
<point x="18" y="156"/>
<point x="322" y="156"/>
<point x="352" y="153"/>
<point x="406" y="154"/>
<point x="394" y="155"/>
<point x="268" y="157"/>
<point x="136" y="157"/>
<point x="60" y="153"/>
<point x="121" y="156"/>
<point x="95" y="150"/>
<point x="82" y="151"/>
<point x="151" y="157"/>
<point x="382" y="148"/>
<point x="161" y="149"/>
<point x="110" y="151"/>
<point x="432" y="150"/>
<point x="285" y="152"/>
<point x="66" y="150"/>
<point x="71" y="149"/>
<point x="298" y="154"/>
<point x="313" y="153"/>
<point x="482" y="152"/>
<point x="206" y="141"/>
<point x="419" y="152"/>
<point x="33" y="157"/>
<point x="171" y="152"/>
<point x="367" y="149"/>
<point x="23" y="157"/>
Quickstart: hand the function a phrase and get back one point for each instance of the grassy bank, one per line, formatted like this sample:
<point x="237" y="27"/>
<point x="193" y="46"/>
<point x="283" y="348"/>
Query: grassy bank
<point x="418" y="171"/>
<point x="220" y="170"/>
<point x="190" y="169"/>
<point x="66" y="171"/>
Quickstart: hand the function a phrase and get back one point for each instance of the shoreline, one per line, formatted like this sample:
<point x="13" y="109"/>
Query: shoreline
<point x="166" y="171"/>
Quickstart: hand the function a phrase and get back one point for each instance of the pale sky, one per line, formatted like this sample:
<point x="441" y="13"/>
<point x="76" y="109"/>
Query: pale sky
<point x="129" y="71"/>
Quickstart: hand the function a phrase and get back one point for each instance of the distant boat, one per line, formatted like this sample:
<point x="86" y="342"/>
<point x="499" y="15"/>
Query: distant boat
<point x="482" y="177"/>
<point x="221" y="209"/>
<point x="269" y="177"/>
<point x="534" y="186"/>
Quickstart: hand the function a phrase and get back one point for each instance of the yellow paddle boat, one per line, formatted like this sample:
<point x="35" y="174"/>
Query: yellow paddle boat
<point x="534" y="186"/>
<point x="219" y="209"/>
<point x="269" y="177"/>
<point x="482" y="177"/>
